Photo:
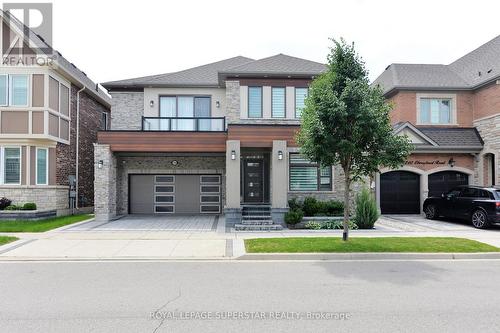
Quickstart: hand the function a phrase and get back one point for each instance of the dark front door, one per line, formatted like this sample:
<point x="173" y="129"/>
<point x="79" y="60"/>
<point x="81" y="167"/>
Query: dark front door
<point x="400" y="193"/>
<point x="253" y="187"/>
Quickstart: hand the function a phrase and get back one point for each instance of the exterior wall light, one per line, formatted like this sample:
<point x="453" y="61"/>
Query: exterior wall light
<point x="451" y="162"/>
<point x="174" y="162"/>
<point x="217" y="104"/>
<point x="151" y="103"/>
<point x="280" y="155"/>
<point x="100" y="164"/>
<point x="233" y="155"/>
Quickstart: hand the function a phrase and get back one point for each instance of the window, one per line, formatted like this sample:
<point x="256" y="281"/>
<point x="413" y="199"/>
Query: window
<point x="184" y="107"/>
<point x="12" y="166"/>
<point x="41" y="166"/>
<point x="308" y="176"/>
<point x="105" y="121"/>
<point x="18" y="90"/>
<point x="300" y="98"/>
<point x="4" y="91"/>
<point x="254" y="102"/>
<point x="435" y="111"/>
<point x="278" y="102"/>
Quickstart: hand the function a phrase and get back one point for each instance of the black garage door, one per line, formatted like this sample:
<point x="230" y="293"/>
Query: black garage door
<point x="175" y="194"/>
<point x="442" y="182"/>
<point x="400" y="193"/>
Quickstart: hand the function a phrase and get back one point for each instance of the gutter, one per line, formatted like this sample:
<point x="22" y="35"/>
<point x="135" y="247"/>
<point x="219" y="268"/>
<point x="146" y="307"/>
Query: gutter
<point x="77" y="141"/>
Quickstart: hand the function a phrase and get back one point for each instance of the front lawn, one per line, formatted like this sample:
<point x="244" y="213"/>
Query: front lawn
<point x="41" y="225"/>
<point x="7" y="239"/>
<point x="379" y="244"/>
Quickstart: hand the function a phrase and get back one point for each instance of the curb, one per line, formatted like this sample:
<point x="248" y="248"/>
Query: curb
<point x="368" y="256"/>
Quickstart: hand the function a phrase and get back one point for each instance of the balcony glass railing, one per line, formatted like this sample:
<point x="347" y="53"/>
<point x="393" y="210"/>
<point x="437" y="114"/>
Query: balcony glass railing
<point x="188" y="124"/>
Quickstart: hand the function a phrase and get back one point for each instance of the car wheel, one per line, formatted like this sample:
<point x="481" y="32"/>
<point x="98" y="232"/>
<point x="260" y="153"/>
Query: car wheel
<point x="431" y="212"/>
<point x="479" y="219"/>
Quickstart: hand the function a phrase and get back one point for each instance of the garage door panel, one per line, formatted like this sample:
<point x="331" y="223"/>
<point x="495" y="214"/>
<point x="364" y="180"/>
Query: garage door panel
<point x="400" y="192"/>
<point x="444" y="181"/>
<point x="175" y="194"/>
<point x="141" y="194"/>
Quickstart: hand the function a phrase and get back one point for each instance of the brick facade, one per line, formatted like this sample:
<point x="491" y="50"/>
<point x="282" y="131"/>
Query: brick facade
<point x="90" y="122"/>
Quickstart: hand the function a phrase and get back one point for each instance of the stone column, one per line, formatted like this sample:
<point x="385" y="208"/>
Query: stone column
<point x="279" y="181"/>
<point x="104" y="183"/>
<point x="232" y="210"/>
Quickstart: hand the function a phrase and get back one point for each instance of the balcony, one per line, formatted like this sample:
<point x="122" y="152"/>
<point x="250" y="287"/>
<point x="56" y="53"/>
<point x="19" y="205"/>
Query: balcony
<point x="184" y="124"/>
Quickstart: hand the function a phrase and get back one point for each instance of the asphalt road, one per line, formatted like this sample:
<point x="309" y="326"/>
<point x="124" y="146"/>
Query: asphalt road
<point x="369" y="296"/>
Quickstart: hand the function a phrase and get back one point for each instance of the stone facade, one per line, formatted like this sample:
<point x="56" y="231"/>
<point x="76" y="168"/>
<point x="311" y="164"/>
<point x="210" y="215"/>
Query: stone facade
<point x="489" y="129"/>
<point x="127" y="165"/>
<point x="45" y="197"/>
<point x="126" y="110"/>
<point x="233" y="101"/>
<point x="104" y="183"/>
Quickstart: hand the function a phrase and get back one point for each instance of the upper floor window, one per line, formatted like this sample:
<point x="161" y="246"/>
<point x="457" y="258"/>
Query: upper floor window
<point x="105" y="121"/>
<point x="254" y="102"/>
<point x="11" y="165"/>
<point x="308" y="176"/>
<point x="278" y="102"/>
<point x="435" y="111"/>
<point x="14" y="90"/>
<point x="185" y="109"/>
<point x="300" y="98"/>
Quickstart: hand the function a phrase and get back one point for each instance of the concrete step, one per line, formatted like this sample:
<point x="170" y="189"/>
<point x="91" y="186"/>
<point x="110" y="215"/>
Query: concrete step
<point x="256" y="208"/>
<point x="264" y="214"/>
<point x="245" y="227"/>
<point x="256" y="217"/>
<point x="257" y="222"/>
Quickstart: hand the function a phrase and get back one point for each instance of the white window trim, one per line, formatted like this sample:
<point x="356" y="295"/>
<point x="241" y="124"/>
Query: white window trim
<point x="2" y="162"/>
<point x="453" y="115"/>
<point x="28" y="92"/>
<point x="6" y="90"/>
<point x="46" y="166"/>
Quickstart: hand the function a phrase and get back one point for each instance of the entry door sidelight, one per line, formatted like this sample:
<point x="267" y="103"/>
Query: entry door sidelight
<point x="254" y="178"/>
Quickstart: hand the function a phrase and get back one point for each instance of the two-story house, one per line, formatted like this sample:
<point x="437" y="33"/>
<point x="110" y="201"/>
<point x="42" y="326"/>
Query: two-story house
<point x="452" y="115"/>
<point x="213" y="139"/>
<point x="50" y="112"/>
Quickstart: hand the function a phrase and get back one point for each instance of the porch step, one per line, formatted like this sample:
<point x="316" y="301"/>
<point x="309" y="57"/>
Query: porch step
<point x="257" y="217"/>
<point x="256" y="208"/>
<point x="257" y="222"/>
<point x="247" y="227"/>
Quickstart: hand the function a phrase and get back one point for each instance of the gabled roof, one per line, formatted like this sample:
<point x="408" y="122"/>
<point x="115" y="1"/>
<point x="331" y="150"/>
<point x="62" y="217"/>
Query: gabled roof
<point x="471" y="71"/>
<point x="280" y="64"/>
<point x="63" y="63"/>
<point x="200" y="76"/>
<point x="213" y="74"/>
<point x="439" y="138"/>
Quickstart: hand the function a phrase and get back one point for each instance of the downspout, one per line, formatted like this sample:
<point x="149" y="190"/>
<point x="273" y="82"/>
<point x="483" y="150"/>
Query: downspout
<point x="77" y="141"/>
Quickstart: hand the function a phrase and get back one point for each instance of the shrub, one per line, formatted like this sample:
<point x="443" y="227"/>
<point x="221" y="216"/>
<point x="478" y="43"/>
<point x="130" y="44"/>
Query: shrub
<point x="333" y="208"/>
<point x="366" y="210"/>
<point x="294" y="204"/>
<point x="313" y="225"/>
<point x="310" y="206"/>
<point x="294" y="216"/>
<point x="337" y="224"/>
<point x="29" y="206"/>
<point x="4" y="202"/>
<point x="14" y="207"/>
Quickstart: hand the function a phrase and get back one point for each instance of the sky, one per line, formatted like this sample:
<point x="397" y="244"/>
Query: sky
<point x="111" y="40"/>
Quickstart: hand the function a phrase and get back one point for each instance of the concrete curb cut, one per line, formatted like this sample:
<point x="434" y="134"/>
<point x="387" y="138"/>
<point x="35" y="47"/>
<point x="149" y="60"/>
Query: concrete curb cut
<point x="69" y="226"/>
<point x="368" y="256"/>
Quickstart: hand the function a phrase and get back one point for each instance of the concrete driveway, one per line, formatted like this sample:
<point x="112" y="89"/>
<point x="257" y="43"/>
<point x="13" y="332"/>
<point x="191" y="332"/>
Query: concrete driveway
<point x="140" y="223"/>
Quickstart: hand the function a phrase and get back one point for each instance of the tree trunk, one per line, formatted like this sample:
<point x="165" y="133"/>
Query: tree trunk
<point x="347" y="187"/>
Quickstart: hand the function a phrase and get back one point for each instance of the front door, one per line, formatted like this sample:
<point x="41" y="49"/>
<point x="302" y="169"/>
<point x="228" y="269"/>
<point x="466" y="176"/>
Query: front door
<point x="253" y="187"/>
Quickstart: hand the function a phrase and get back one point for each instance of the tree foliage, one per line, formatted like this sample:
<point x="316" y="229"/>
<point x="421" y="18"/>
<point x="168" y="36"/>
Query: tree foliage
<point x="346" y="122"/>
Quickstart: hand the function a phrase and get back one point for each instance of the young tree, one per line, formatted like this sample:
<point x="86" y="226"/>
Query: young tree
<point x="346" y="122"/>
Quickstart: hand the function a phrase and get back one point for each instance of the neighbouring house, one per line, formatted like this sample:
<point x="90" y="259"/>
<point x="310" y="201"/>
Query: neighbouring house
<point x="452" y="115"/>
<point x="50" y="112"/>
<point x="213" y="139"/>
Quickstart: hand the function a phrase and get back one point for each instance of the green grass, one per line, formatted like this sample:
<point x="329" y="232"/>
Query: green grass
<point x="7" y="239"/>
<point x="41" y="225"/>
<point x="379" y="244"/>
